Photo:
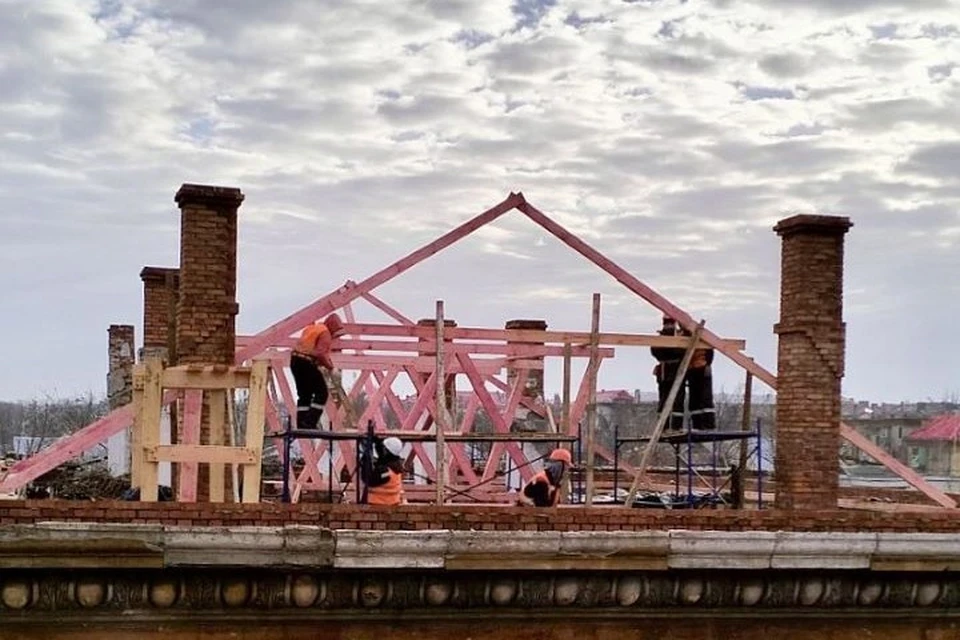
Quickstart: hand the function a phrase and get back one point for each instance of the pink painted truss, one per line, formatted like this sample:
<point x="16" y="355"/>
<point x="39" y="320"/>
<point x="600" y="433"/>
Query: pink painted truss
<point x="379" y="368"/>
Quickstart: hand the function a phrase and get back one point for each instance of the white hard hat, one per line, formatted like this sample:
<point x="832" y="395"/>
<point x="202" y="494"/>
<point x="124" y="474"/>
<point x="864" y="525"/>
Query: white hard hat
<point x="393" y="445"/>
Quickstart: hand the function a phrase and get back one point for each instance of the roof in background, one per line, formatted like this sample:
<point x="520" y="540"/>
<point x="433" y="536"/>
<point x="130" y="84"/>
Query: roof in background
<point x="944" y="427"/>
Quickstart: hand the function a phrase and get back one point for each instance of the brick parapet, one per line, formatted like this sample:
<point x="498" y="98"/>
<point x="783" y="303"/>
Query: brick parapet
<point x="810" y="360"/>
<point x="466" y="517"/>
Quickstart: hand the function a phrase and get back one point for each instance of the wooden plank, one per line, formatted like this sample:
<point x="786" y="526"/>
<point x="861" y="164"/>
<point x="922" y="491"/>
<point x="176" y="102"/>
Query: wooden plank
<point x="188" y="472"/>
<point x="440" y="421"/>
<point x="861" y="442"/>
<point x="386" y="308"/>
<point x="256" y="415"/>
<point x="591" y="430"/>
<point x="150" y="421"/>
<point x="217" y="406"/>
<point x="665" y="412"/>
<point x="183" y="377"/>
<point x="565" y="409"/>
<point x="202" y="453"/>
<point x="342" y="296"/>
<point x="473" y="348"/>
<point x="136" y="434"/>
<point x="745" y="426"/>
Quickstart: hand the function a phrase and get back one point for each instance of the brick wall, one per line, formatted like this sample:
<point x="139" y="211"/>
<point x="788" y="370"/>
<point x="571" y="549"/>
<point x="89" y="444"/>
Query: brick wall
<point x="810" y="360"/>
<point x="121" y="356"/>
<point x="207" y="306"/>
<point x="160" y="294"/>
<point x="465" y="517"/>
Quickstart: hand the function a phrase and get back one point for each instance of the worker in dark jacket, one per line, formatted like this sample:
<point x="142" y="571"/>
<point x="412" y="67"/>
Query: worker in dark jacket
<point x="381" y="470"/>
<point x="665" y="371"/>
<point x="703" y="415"/>
<point x="309" y="357"/>
<point x="545" y="488"/>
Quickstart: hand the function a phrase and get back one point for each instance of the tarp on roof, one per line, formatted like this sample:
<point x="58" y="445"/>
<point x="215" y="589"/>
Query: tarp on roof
<point x="940" y="428"/>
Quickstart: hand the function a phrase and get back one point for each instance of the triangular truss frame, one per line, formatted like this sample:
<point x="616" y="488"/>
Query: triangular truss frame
<point x="71" y="446"/>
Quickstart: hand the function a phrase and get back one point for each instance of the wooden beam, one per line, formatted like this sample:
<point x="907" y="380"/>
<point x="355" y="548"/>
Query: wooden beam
<point x="202" y="453"/>
<point x="337" y="299"/>
<point x="440" y="421"/>
<point x="217" y="406"/>
<point x="183" y="377"/>
<point x="150" y="425"/>
<point x="256" y="415"/>
<point x="191" y="418"/>
<point x="591" y="431"/>
<point x="745" y="426"/>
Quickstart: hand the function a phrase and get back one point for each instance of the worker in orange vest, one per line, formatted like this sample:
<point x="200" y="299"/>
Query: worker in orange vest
<point x="311" y="354"/>
<point x="382" y="471"/>
<point x="545" y="488"/>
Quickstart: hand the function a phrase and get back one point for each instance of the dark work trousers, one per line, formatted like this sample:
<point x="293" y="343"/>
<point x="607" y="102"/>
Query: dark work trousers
<point x="311" y="391"/>
<point x="703" y="416"/>
<point x="675" y="421"/>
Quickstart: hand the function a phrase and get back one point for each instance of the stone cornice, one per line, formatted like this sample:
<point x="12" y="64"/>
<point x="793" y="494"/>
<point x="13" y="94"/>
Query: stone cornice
<point x="72" y="545"/>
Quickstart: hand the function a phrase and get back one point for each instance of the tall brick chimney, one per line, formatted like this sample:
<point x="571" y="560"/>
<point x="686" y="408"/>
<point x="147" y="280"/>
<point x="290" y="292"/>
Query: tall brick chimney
<point x="207" y="307"/>
<point x="810" y="360"/>
<point x="160" y="295"/>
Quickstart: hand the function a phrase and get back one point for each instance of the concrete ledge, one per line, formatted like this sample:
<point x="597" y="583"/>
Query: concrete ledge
<point x="721" y="549"/>
<point x="390" y="549"/>
<point x="827" y="550"/>
<point x="76" y="545"/>
<point x="905" y="552"/>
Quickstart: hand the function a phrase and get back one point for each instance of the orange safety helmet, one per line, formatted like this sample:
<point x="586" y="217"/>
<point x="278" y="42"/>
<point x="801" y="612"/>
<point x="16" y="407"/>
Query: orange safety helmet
<point x="334" y="324"/>
<point x="562" y="455"/>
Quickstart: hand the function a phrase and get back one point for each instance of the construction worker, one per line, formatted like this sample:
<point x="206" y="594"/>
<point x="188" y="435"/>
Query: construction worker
<point x="703" y="415"/>
<point x="382" y="471"/>
<point x="665" y="371"/>
<point x="545" y="488"/>
<point x="312" y="354"/>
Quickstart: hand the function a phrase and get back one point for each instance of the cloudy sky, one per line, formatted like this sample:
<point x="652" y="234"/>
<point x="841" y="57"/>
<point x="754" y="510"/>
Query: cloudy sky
<point x="670" y="134"/>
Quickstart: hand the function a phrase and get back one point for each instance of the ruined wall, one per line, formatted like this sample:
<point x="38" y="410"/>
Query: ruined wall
<point x="121" y="352"/>
<point x="810" y="360"/>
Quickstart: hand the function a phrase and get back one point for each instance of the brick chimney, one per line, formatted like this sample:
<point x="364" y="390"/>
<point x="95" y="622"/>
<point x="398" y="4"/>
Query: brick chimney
<point x="207" y="306"/>
<point x="810" y="360"/>
<point x="160" y="294"/>
<point x="523" y="418"/>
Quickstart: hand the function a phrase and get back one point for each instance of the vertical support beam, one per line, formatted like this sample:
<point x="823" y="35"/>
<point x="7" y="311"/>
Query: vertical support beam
<point x="216" y="402"/>
<point x="136" y="430"/>
<point x="441" y="422"/>
<point x="592" y="398"/>
<point x="150" y="426"/>
<point x="256" y="415"/>
<point x="207" y="307"/>
<point x="745" y="426"/>
<point x="565" y="410"/>
<point x="810" y="360"/>
<point x="189" y="434"/>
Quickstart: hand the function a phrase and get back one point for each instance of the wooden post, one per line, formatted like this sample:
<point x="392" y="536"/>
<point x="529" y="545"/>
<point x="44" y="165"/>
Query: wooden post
<point x="440" y="421"/>
<point x="565" y="409"/>
<point x="664" y="414"/>
<point x="592" y="398"/>
<point x="150" y="427"/>
<point x="745" y="426"/>
<point x="136" y="444"/>
<point x="253" y="440"/>
<point x="216" y="400"/>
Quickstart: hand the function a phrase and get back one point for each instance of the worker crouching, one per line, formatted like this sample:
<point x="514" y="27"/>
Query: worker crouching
<point x="545" y="488"/>
<point x="382" y="472"/>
